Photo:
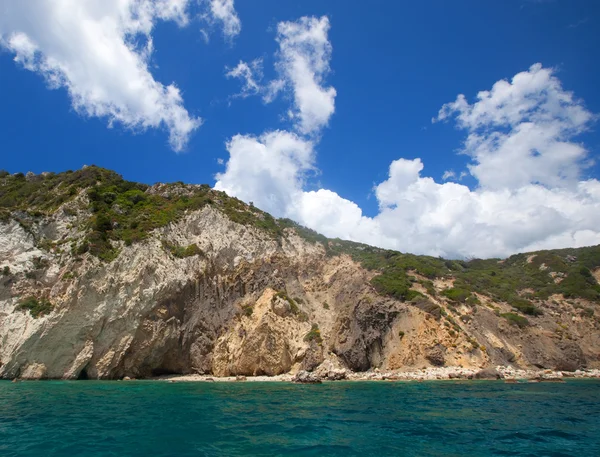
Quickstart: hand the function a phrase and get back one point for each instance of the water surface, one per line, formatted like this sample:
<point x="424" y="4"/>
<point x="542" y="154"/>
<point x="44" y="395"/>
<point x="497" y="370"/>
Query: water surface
<point x="149" y="418"/>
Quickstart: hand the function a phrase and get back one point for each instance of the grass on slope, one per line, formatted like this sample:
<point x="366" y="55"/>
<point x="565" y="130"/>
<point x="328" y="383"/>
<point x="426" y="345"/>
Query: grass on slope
<point x="544" y="273"/>
<point x="121" y="210"/>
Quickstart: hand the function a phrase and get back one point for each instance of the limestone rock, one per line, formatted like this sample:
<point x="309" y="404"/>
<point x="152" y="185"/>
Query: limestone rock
<point x="149" y="313"/>
<point x="336" y="375"/>
<point x="488" y="373"/>
<point x="435" y="355"/>
<point x="304" y="377"/>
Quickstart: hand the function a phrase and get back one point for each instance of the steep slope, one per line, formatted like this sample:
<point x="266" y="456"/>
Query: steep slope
<point x="104" y="278"/>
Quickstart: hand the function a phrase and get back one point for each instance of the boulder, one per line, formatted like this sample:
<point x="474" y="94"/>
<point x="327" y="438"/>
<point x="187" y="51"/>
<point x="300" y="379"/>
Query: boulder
<point x="336" y="375"/>
<point x="304" y="377"/>
<point x="436" y="355"/>
<point x="281" y="307"/>
<point x="571" y="358"/>
<point x="456" y="375"/>
<point x="488" y="373"/>
<point x="313" y="357"/>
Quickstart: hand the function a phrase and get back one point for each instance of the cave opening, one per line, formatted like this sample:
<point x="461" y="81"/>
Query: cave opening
<point x="83" y="375"/>
<point x="165" y="372"/>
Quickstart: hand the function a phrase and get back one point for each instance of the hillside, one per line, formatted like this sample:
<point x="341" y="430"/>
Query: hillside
<point x="105" y="278"/>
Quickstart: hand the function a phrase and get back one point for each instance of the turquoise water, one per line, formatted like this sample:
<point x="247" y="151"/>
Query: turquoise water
<point x="145" y="418"/>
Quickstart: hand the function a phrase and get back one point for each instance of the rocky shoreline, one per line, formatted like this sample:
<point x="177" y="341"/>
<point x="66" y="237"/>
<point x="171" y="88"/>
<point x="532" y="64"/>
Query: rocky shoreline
<point x="508" y="374"/>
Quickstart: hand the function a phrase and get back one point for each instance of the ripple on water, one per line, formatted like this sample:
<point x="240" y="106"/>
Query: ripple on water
<point x="265" y="419"/>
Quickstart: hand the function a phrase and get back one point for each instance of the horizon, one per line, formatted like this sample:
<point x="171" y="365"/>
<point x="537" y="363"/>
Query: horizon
<point x="350" y="121"/>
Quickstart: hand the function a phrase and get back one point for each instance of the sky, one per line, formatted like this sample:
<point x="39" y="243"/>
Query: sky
<point x="459" y="129"/>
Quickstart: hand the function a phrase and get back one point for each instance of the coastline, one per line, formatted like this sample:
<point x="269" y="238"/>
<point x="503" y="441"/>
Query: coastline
<point x="507" y="374"/>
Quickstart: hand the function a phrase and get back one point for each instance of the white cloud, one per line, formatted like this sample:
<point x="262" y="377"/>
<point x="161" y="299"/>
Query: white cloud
<point x="545" y="206"/>
<point x="524" y="126"/>
<point x="223" y="11"/>
<point x="303" y="62"/>
<point x="250" y="74"/>
<point x="99" y="51"/>
<point x="268" y="170"/>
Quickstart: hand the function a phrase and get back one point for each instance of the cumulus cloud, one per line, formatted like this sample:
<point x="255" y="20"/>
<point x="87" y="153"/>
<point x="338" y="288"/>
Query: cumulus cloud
<point x="535" y="199"/>
<point x="303" y="62"/>
<point x="525" y="126"/>
<point x="269" y="170"/>
<point x="99" y="51"/>
<point x="223" y="12"/>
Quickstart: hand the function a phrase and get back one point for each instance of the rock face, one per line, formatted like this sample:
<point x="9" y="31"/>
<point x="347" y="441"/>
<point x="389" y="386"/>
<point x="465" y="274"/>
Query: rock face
<point x="245" y="304"/>
<point x="488" y="373"/>
<point x="304" y="377"/>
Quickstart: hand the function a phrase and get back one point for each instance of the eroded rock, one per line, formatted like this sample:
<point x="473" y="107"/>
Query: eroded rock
<point x="304" y="377"/>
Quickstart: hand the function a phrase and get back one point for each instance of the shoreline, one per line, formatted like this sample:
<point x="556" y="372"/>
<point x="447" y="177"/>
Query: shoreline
<point x="506" y="374"/>
<point x="499" y="373"/>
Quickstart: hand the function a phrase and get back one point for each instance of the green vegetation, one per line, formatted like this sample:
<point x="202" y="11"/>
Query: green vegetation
<point x="180" y="252"/>
<point x="247" y="310"/>
<point x="6" y="271"/>
<point x="525" y="306"/>
<point x="124" y="212"/>
<point x="69" y="275"/>
<point x="429" y="287"/>
<point x="516" y="319"/>
<point x="314" y="334"/>
<point x="121" y="210"/>
<point x="326" y="305"/>
<point x="500" y="279"/>
<point x="457" y="294"/>
<point x="36" y="308"/>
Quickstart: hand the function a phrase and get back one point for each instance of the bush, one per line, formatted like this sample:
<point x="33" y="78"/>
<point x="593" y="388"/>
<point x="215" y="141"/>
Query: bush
<point x="180" y="252"/>
<point x="457" y="294"/>
<point x="525" y="307"/>
<point x="36" y="308"/>
<point x="314" y="335"/>
<point x="247" y="310"/>
<point x="516" y="319"/>
<point x="326" y="305"/>
<point x="473" y="301"/>
<point x="6" y="270"/>
<point x="429" y="287"/>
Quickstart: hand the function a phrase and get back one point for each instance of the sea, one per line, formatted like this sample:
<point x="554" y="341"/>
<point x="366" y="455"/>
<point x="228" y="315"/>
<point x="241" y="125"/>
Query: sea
<point x="157" y="418"/>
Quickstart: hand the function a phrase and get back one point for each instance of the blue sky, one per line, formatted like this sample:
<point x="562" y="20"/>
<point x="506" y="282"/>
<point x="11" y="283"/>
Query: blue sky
<point x="393" y="65"/>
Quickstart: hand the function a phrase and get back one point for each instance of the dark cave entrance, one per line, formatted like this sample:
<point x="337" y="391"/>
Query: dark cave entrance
<point x="83" y="375"/>
<point x="165" y="372"/>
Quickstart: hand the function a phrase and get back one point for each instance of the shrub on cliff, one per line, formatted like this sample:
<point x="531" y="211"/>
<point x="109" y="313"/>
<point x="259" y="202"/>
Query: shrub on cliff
<point x="516" y="319"/>
<point x="314" y="335"/>
<point x="457" y="294"/>
<point x="36" y="308"/>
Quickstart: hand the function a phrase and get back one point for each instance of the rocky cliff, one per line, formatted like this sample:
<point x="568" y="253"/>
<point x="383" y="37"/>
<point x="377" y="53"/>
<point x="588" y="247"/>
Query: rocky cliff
<point x="103" y="278"/>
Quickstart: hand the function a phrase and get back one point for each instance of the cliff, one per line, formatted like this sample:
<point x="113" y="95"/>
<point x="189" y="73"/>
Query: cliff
<point x="104" y="278"/>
